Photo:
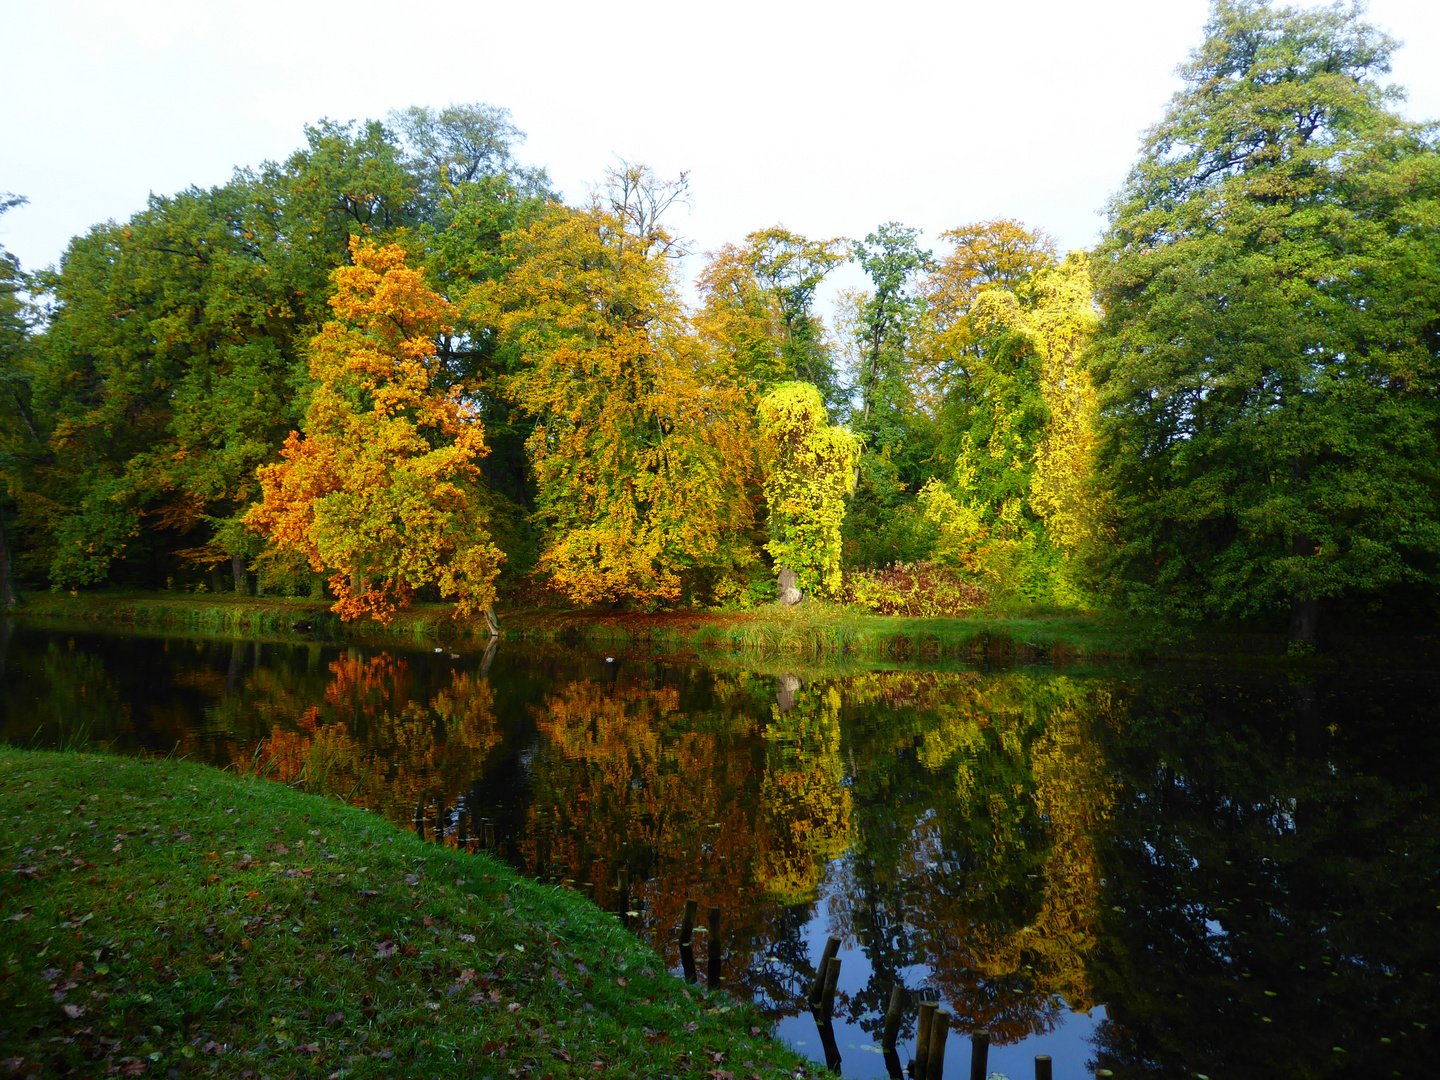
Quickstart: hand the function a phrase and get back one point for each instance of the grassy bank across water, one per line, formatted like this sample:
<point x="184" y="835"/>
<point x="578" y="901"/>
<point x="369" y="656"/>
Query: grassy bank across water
<point x="162" y="919"/>
<point x="810" y="630"/>
<point x="813" y="632"/>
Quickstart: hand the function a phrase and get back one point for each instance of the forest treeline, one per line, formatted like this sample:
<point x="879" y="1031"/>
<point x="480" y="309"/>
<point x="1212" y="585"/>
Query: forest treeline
<point x="398" y="364"/>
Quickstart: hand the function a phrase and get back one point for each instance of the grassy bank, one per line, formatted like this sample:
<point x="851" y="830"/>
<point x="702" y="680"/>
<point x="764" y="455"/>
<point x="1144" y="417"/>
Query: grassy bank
<point x="164" y="919"/>
<point x="813" y="632"/>
<point x="810" y="630"/>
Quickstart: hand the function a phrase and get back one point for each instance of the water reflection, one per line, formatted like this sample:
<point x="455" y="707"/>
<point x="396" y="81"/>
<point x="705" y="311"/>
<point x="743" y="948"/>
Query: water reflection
<point x="1206" y="874"/>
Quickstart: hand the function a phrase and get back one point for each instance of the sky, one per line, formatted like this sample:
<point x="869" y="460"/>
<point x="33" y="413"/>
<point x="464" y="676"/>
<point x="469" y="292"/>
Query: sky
<point x="829" y="118"/>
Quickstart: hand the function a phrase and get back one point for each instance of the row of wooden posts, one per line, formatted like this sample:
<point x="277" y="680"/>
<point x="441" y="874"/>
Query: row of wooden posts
<point x="484" y="831"/>
<point x="933" y="1026"/>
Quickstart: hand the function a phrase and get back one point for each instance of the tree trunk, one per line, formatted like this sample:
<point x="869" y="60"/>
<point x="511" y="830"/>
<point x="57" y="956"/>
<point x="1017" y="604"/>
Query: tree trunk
<point x="237" y="568"/>
<point x="1304" y="607"/>
<point x="217" y="582"/>
<point x="789" y="591"/>
<point x="7" y="585"/>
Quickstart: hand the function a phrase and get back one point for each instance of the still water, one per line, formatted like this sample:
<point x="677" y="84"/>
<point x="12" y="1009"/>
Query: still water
<point x="1156" y="872"/>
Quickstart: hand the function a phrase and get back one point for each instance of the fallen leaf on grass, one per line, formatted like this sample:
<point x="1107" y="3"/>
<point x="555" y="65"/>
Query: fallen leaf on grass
<point x="74" y="1012"/>
<point x="384" y="950"/>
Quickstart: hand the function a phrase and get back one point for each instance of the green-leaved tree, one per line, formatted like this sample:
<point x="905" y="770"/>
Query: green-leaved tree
<point x="1267" y="359"/>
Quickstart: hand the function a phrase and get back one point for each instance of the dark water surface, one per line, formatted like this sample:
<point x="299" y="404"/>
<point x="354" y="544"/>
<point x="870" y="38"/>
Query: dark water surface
<point x="1157" y="872"/>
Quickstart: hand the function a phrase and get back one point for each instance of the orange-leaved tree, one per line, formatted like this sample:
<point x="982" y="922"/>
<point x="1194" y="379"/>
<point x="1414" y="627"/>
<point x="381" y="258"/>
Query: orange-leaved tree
<point x="643" y="449"/>
<point x="382" y="490"/>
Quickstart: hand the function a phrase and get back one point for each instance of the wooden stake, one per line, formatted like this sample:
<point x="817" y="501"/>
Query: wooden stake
<point x="1042" y="1067"/>
<point x="687" y="924"/>
<point x="712" y="972"/>
<point x="979" y="1055"/>
<point x="922" y="1037"/>
<point x="939" y="1031"/>
<point x="827" y="995"/>
<point x="832" y="946"/>
<point x="893" y="1015"/>
<point x="420" y="819"/>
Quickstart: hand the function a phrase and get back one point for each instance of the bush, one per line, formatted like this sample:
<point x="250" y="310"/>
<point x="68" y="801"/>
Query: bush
<point x="917" y="589"/>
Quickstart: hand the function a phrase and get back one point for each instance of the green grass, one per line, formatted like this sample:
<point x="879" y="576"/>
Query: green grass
<point x="164" y="919"/>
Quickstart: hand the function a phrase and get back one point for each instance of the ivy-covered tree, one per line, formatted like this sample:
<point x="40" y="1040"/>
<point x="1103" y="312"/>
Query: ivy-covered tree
<point x="1019" y="507"/>
<point x="809" y="469"/>
<point x="1267" y="361"/>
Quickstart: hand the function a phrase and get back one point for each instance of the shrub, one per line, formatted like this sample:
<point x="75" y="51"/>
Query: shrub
<point x="917" y="589"/>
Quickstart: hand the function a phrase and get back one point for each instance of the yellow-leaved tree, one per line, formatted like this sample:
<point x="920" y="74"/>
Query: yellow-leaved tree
<point x="382" y="490"/>
<point x="809" y="468"/>
<point x="644" y="448"/>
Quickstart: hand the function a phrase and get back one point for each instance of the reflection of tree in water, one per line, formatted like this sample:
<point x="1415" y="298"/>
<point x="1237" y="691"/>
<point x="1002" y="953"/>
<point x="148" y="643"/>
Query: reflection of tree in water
<point x="978" y="801"/>
<point x="699" y="803"/>
<point x="968" y="849"/>
<point x="1272" y="862"/>
<point x="380" y="737"/>
<point x="805" y="817"/>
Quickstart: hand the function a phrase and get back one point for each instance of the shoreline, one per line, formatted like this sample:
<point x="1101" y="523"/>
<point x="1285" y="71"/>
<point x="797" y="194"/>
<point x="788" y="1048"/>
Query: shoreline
<point x="814" y="632"/>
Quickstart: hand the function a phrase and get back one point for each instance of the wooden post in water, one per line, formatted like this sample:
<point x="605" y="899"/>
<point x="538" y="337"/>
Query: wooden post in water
<point x="687" y="948"/>
<point x="420" y="818"/>
<point x="440" y="822"/>
<point x="893" y="1015"/>
<point x="462" y="838"/>
<point x="827" y="995"/>
<point x="490" y="835"/>
<point x="832" y="946"/>
<point x="1042" y="1067"/>
<point x="922" y="1037"/>
<point x="939" y="1031"/>
<point x="827" y="1041"/>
<point x="979" y="1055"/>
<point x="687" y="924"/>
<point x="712" y="947"/>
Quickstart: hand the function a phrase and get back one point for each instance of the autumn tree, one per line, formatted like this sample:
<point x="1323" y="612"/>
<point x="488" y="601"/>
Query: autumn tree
<point x="998" y="254"/>
<point x="809" y="467"/>
<point x="758" y="308"/>
<point x="381" y="489"/>
<point x="1268" y="356"/>
<point x="643" y="448"/>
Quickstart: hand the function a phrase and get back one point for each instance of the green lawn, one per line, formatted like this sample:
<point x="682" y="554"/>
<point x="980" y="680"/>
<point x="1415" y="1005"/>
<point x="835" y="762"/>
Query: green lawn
<point x="160" y="918"/>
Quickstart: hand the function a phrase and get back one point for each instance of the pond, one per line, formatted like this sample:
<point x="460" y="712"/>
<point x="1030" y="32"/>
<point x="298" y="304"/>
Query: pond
<point x="1159" y="872"/>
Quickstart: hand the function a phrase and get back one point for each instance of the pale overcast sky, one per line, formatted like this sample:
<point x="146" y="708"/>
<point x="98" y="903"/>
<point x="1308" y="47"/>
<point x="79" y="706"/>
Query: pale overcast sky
<point x="828" y="118"/>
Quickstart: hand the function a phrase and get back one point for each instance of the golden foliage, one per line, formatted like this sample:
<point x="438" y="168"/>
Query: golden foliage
<point x="382" y="488"/>
<point x="643" y="449"/>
